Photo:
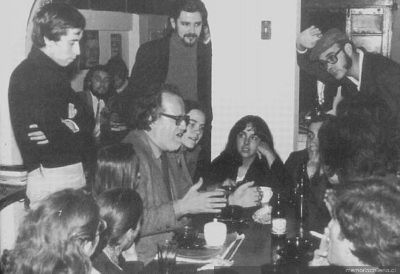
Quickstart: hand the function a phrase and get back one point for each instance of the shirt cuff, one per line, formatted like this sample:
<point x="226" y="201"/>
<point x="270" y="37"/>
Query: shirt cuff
<point x="301" y="51"/>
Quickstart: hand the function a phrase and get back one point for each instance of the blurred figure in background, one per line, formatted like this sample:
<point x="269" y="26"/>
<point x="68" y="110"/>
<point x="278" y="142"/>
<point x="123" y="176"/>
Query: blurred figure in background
<point x="316" y="183"/>
<point x="117" y="107"/>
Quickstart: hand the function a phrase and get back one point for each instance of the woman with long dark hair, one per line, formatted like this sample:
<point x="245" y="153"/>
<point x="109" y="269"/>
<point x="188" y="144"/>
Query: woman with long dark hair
<point x="249" y="156"/>
<point x="117" y="166"/>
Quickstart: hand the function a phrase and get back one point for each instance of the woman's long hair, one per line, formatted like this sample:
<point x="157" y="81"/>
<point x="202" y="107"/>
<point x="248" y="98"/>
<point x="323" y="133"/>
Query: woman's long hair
<point x="117" y="166"/>
<point x="121" y="208"/>
<point x="51" y="237"/>
<point x="261" y="129"/>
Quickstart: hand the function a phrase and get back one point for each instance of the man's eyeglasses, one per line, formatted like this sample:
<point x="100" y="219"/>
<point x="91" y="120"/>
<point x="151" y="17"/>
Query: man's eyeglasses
<point x="178" y="118"/>
<point x="331" y="59"/>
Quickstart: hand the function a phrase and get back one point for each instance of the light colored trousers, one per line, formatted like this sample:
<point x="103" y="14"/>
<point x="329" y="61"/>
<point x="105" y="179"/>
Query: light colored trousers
<point x="43" y="181"/>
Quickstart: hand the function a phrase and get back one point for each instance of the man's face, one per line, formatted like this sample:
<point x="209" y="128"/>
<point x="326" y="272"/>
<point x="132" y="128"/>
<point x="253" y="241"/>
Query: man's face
<point x="188" y="27"/>
<point x="195" y="128"/>
<point x="312" y="137"/>
<point x="64" y="51"/>
<point x="339" y="252"/>
<point x="247" y="142"/>
<point x="100" y="83"/>
<point x="343" y="64"/>
<point x="165" y="132"/>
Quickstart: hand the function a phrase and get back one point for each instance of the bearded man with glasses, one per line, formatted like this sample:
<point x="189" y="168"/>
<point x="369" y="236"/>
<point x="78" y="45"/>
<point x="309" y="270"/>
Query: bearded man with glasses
<point x="333" y="58"/>
<point x="158" y="120"/>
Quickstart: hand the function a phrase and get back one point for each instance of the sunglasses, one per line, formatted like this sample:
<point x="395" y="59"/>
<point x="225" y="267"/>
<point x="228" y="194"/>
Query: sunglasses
<point x="178" y="118"/>
<point x="331" y="59"/>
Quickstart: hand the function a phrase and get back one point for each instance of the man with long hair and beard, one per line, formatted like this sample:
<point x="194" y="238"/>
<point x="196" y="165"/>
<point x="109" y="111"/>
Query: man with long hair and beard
<point x="333" y="57"/>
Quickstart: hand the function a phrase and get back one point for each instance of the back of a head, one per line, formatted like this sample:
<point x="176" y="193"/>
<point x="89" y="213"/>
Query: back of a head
<point x="117" y="166"/>
<point x="51" y="236"/>
<point x="121" y="208"/>
<point x="354" y="146"/>
<point x="368" y="214"/>
<point x="53" y="20"/>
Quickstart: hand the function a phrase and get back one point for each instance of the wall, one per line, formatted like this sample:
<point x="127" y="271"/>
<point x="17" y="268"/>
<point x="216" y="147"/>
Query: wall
<point x="12" y="52"/>
<point x="111" y="22"/>
<point x="395" y="50"/>
<point x="250" y="75"/>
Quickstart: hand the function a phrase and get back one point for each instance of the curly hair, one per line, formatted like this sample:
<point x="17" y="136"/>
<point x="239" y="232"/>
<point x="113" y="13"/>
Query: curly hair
<point x="368" y="214"/>
<point x="117" y="166"/>
<point x="53" y="20"/>
<point x="87" y="82"/>
<point x="189" y="6"/>
<point x="121" y="208"/>
<point x="147" y="106"/>
<point x="355" y="145"/>
<point x="261" y="129"/>
<point x="50" y="237"/>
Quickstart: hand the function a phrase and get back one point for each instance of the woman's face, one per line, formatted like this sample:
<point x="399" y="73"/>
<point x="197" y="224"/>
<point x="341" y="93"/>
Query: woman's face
<point x="195" y="128"/>
<point x="129" y="238"/>
<point x="247" y="142"/>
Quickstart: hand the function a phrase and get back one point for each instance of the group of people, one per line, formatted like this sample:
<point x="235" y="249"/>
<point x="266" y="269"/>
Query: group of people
<point x="153" y="174"/>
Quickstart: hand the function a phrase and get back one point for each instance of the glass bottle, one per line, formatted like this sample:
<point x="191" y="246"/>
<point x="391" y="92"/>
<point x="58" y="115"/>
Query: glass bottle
<point x="300" y="194"/>
<point x="278" y="232"/>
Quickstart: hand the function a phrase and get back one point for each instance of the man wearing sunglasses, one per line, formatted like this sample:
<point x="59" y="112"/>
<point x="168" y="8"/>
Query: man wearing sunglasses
<point x="333" y="58"/>
<point x="168" y="194"/>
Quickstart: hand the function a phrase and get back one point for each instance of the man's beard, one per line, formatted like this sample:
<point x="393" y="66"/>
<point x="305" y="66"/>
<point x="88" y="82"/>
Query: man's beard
<point x="100" y="96"/>
<point x="190" y="35"/>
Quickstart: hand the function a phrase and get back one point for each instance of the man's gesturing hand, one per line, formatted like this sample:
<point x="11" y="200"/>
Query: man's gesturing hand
<point x="200" y="202"/>
<point x="308" y="38"/>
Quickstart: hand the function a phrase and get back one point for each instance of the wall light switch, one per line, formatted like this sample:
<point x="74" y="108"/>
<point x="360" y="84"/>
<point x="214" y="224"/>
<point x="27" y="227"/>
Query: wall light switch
<point x="265" y="30"/>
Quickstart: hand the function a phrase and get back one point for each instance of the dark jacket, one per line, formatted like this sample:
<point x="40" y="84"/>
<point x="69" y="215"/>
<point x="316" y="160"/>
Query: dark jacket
<point x="380" y="80"/>
<point x="151" y="67"/>
<point x="318" y="215"/>
<point x="226" y="167"/>
<point x="40" y="93"/>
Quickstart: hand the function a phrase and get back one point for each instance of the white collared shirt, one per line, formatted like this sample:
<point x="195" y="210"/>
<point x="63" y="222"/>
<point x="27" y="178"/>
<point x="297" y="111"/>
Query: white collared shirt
<point x="360" y="65"/>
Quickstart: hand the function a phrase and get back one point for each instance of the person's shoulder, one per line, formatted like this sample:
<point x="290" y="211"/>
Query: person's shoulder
<point x="155" y="44"/>
<point x="138" y="140"/>
<point x="24" y="69"/>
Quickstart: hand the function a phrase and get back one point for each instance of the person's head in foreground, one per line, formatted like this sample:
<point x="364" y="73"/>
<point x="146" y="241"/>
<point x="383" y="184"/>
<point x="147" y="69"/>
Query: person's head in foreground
<point x="57" y="29"/>
<point x="365" y="228"/>
<point x="59" y="236"/>
<point x="195" y="128"/>
<point x="245" y="137"/>
<point x="354" y="145"/>
<point x="335" y="53"/>
<point x="117" y="166"/>
<point x="122" y="209"/>
<point x="161" y="113"/>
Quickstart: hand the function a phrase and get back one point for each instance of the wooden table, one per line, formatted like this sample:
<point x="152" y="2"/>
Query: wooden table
<point x="252" y="255"/>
